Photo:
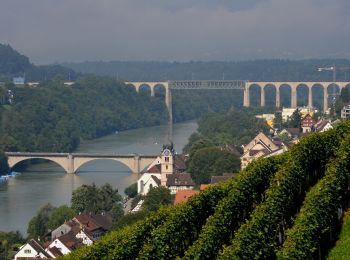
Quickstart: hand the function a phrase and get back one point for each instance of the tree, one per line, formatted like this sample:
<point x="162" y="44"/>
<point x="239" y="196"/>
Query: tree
<point x="295" y="119"/>
<point x="9" y="244"/>
<point x="59" y="216"/>
<point x="89" y="198"/>
<point x="4" y="167"/>
<point x="155" y="198"/>
<point x="108" y="198"/>
<point x="38" y="225"/>
<point x="131" y="191"/>
<point x="85" y="199"/>
<point x="211" y="161"/>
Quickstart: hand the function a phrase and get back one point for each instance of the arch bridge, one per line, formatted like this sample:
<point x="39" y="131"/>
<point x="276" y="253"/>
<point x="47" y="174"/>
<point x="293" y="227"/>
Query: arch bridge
<point x="244" y="85"/>
<point x="71" y="162"/>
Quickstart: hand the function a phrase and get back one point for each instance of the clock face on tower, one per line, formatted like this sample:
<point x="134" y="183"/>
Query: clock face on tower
<point x="166" y="152"/>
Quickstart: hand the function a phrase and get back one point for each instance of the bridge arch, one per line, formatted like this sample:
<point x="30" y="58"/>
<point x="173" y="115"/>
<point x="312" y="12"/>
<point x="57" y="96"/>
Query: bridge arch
<point x="303" y="92"/>
<point x="317" y="91"/>
<point x="60" y="161"/>
<point x="159" y="90"/>
<point x="270" y="95"/>
<point x="145" y="88"/>
<point x="285" y="95"/>
<point x="130" y="164"/>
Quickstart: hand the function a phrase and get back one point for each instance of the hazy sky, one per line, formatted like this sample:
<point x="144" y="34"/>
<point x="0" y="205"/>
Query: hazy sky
<point x="77" y="30"/>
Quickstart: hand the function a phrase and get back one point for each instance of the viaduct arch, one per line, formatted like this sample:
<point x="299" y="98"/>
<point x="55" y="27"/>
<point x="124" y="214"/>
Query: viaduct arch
<point x="245" y="86"/>
<point x="71" y="162"/>
<point x="293" y="87"/>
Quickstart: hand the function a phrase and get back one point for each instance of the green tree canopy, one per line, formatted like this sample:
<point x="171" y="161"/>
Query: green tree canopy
<point x="155" y="198"/>
<point x="131" y="190"/>
<point x="38" y="225"/>
<point x="212" y="161"/>
<point x="59" y="216"/>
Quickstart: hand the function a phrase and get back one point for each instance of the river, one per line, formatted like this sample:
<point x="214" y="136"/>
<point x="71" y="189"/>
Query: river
<point x="44" y="183"/>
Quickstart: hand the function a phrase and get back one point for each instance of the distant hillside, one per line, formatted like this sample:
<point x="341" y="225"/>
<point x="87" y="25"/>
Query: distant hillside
<point x="13" y="64"/>
<point x="259" y="70"/>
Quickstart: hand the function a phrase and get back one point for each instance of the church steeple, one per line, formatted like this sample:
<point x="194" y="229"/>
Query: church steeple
<point x="167" y="162"/>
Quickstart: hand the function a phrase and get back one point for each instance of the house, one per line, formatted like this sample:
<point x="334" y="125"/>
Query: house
<point x="345" y="112"/>
<point x="179" y="181"/>
<point x="291" y="133"/>
<point x="149" y="179"/>
<point x="18" y="80"/>
<point x="184" y="195"/>
<point x="307" y="123"/>
<point x="66" y="243"/>
<point x="32" y="249"/>
<point x="95" y="224"/>
<point x="63" y="229"/>
<point x="322" y="126"/>
<point x="261" y="146"/>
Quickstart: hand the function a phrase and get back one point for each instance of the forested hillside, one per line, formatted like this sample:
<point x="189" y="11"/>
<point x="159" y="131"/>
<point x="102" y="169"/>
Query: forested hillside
<point x="14" y="64"/>
<point x="256" y="70"/>
<point x="286" y="207"/>
<point x="55" y="117"/>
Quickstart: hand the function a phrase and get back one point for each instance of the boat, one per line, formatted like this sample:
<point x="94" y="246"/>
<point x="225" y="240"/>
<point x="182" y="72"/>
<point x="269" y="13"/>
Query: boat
<point x="13" y="174"/>
<point x="3" y="179"/>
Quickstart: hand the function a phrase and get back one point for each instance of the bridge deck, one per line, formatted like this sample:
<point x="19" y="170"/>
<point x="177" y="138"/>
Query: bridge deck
<point x="89" y="155"/>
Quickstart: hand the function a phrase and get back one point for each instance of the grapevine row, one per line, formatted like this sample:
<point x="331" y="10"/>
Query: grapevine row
<point x="320" y="211"/>
<point x="233" y="209"/>
<point x="264" y="231"/>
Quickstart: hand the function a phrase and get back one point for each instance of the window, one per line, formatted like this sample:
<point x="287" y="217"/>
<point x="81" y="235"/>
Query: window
<point x="166" y="167"/>
<point x="27" y="251"/>
<point x="167" y="159"/>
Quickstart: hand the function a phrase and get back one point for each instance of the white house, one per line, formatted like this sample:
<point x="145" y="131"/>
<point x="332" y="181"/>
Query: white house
<point x="32" y="250"/>
<point x="148" y="181"/>
<point x="322" y="126"/>
<point x="261" y="146"/>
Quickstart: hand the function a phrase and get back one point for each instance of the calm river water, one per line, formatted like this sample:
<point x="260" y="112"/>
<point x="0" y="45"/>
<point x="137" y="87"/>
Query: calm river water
<point x="23" y="196"/>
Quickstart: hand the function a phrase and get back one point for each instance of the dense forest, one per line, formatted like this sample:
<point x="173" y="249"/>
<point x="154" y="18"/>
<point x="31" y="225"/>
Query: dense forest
<point x="255" y="70"/>
<point x="287" y="207"/>
<point x="55" y="117"/>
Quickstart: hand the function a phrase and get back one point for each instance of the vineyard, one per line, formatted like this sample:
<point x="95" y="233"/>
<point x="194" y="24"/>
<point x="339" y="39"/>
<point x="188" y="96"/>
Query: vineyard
<point x="284" y="207"/>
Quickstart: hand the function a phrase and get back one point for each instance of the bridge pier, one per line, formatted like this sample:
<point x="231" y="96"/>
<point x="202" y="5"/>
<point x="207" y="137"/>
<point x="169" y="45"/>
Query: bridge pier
<point x="70" y="162"/>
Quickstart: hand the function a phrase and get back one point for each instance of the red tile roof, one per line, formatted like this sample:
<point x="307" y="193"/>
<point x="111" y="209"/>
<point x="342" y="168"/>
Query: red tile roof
<point x="183" y="195"/>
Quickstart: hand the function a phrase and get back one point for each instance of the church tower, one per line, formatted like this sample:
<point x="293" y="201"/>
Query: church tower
<point x="167" y="162"/>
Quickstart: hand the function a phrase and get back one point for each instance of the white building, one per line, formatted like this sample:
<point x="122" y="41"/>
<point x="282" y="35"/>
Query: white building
<point x="32" y="250"/>
<point x="345" y="112"/>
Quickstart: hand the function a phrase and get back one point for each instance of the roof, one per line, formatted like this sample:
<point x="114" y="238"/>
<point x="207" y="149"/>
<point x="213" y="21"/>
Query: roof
<point x="92" y="222"/>
<point x="38" y="248"/>
<point x="216" y="179"/>
<point x="321" y="124"/>
<point x="70" y="241"/>
<point x="155" y="169"/>
<point x="293" y="131"/>
<point x="156" y="180"/>
<point x="204" y="186"/>
<point x="55" y="251"/>
<point x="179" y="179"/>
<point x="180" y="162"/>
<point x="183" y="195"/>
